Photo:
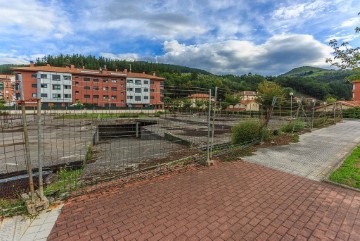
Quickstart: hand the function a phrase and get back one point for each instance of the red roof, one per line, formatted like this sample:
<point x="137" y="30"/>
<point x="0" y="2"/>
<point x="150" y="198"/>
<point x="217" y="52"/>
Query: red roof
<point x="198" y="96"/>
<point x="235" y="109"/>
<point x="248" y="93"/>
<point x="245" y="102"/>
<point x="352" y="103"/>
<point x="83" y="71"/>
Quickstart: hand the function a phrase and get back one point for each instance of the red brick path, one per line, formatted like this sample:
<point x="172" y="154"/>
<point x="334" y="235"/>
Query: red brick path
<point x="231" y="201"/>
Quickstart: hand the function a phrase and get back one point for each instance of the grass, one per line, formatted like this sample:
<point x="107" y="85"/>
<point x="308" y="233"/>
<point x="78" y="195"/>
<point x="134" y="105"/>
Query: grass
<point x="11" y="207"/>
<point x="68" y="180"/>
<point x="105" y="115"/>
<point x="349" y="172"/>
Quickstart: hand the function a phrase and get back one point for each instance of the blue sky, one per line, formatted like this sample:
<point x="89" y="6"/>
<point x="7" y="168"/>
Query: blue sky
<point x="268" y="37"/>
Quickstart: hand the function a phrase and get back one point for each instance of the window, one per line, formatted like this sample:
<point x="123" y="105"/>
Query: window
<point x="56" y="87"/>
<point x="86" y="87"/>
<point x="137" y="90"/>
<point x="67" y="77"/>
<point x="129" y="89"/>
<point x="152" y="90"/>
<point x="113" y="80"/>
<point x="122" y="93"/>
<point x="76" y="92"/>
<point x="34" y="85"/>
<point x="162" y="92"/>
<point x="161" y="83"/>
<point x="151" y="82"/>
<point x="105" y="80"/>
<point x="129" y="97"/>
<point x="152" y="97"/>
<point x="161" y="99"/>
<point x="130" y="81"/>
<point x="95" y="87"/>
<point x="146" y="97"/>
<point x="56" y="96"/>
<point x="122" y="101"/>
<point x="146" y="90"/>
<point x="137" y="98"/>
<point x="44" y="95"/>
<point x="76" y="83"/>
<point x="113" y="97"/>
<point x="138" y="82"/>
<point x="44" y="86"/>
<point x="95" y="80"/>
<point x="67" y="95"/>
<point x="34" y="95"/>
<point x="146" y="82"/>
<point x="43" y="76"/>
<point x="56" y="77"/>
<point x="33" y="76"/>
<point x="122" y="85"/>
<point x="105" y="88"/>
<point x="67" y="87"/>
<point x="87" y="96"/>
<point x="114" y="88"/>
<point x="96" y="96"/>
<point x="105" y="97"/>
<point x="113" y="104"/>
<point x="86" y="79"/>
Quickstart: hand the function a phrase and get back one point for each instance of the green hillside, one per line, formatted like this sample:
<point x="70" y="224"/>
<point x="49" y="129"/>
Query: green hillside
<point x="307" y="81"/>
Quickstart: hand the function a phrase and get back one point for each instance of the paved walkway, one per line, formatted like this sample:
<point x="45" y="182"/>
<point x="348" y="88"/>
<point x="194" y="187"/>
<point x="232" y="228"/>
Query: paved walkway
<point x="229" y="201"/>
<point x="24" y="228"/>
<point x="315" y="155"/>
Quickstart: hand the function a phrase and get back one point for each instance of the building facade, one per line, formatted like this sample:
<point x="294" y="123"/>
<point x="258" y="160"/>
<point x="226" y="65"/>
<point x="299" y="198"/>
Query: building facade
<point x="65" y="86"/>
<point x="356" y="90"/>
<point x="7" y="87"/>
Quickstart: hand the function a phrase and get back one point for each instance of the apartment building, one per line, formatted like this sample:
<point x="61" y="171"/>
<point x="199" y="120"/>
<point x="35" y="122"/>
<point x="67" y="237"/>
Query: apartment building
<point x="7" y="84"/>
<point x="64" y="86"/>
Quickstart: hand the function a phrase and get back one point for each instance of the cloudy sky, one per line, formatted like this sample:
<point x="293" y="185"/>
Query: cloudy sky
<point x="268" y="37"/>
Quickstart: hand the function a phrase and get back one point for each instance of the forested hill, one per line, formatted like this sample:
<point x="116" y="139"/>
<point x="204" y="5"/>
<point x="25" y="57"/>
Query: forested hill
<point x="92" y="62"/>
<point x="316" y="82"/>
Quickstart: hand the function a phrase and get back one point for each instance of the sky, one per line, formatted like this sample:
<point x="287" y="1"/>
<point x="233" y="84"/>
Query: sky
<point x="267" y="37"/>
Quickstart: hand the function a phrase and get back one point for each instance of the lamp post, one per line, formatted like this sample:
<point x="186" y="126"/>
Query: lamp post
<point x="291" y="103"/>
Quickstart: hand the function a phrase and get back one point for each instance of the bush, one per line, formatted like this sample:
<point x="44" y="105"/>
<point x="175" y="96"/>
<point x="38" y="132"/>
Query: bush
<point x="288" y="128"/>
<point x="246" y="132"/>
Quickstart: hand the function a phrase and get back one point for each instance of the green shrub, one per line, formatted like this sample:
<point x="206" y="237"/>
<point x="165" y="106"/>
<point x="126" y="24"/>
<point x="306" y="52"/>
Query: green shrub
<point x="266" y="134"/>
<point x="246" y="132"/>
<point x="288" y="128"/>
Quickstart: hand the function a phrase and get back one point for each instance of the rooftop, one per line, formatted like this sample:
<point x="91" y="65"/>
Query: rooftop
<point x="83" y="71"/>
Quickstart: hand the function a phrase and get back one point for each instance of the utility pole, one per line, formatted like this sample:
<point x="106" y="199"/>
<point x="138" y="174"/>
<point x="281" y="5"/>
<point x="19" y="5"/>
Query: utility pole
<point x="213" y="123"/>
<point x="209" y="130"/>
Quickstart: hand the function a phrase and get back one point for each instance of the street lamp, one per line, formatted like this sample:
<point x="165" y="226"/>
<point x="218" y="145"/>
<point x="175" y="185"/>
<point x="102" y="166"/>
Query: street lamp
<point x="291" y="103"/>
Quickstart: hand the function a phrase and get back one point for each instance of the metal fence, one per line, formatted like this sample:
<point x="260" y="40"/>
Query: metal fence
<point x="92" y="146"/>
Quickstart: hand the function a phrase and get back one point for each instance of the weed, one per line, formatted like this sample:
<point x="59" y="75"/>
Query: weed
<point x="11" y="207"/>
<point x="68" y="180"/>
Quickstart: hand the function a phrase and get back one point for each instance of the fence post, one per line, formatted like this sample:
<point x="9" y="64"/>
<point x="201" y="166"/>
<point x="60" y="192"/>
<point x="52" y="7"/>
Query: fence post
<point x="213" y="123"/>
<point x="209" y="130"/>
<point x="313" y="112"/>
<point x="40" y="160"/>
<point x="27" y="145"/>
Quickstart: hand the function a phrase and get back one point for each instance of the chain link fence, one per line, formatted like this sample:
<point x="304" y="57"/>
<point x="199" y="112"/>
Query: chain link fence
<point x="84" y="147"/>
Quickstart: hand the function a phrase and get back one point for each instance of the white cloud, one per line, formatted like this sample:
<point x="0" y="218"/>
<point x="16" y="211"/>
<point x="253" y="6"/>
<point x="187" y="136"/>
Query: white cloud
<point x="33" y="18"/>
<point x="279" y="54"/>
<point x="128" y="56"/>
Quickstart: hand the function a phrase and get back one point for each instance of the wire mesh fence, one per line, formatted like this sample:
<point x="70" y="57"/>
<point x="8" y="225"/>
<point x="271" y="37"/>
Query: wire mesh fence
<point x="82" y="147"/>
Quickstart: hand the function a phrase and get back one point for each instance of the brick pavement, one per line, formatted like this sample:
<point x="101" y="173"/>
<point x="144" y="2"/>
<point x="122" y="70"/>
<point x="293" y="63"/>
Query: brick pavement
<point x="229" y="201"/>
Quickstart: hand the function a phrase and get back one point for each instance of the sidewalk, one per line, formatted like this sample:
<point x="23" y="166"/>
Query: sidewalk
<point x="25" y="229"/>
<point x="230" y="201"/>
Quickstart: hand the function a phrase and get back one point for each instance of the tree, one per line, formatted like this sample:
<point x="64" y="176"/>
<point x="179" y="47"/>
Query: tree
<point x="345" y="57"/>
<point x="186" y="104"/>
<point x="232" y="99"/>
<point x="266" y="92"/>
